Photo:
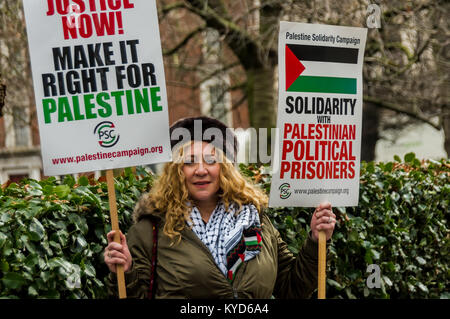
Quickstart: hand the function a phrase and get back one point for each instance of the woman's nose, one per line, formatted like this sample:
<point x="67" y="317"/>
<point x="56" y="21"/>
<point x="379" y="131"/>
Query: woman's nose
<point x="201" y="169"/>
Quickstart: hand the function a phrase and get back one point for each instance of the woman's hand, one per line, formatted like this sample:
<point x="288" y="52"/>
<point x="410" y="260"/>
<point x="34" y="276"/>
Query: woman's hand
<point x="323" y="219"/>
<point x="116" y="253"/>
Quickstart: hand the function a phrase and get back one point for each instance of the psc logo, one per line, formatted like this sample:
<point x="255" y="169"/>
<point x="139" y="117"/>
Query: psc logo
<point x="106" y="134"/>
<point x="285" y="190"/>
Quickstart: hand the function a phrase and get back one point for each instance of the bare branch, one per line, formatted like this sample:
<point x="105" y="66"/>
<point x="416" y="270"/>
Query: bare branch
<point x="183" y="42"/>
<point x="244" y="46"/>
<point x="170" y="7"/>
<point x="215" y="73"/>
<point x="397" y="108"/>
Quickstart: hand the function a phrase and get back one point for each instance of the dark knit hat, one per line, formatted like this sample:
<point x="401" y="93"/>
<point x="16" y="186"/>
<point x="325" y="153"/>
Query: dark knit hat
<point x="207" y="129"/>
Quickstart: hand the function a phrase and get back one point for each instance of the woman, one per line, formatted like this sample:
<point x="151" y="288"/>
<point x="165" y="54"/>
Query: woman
<point x="214" y="239"/>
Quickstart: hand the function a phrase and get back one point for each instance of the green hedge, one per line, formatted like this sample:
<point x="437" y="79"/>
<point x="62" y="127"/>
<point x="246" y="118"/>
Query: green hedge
<point x="401" y="224"/>
<point x="52" y="233"/>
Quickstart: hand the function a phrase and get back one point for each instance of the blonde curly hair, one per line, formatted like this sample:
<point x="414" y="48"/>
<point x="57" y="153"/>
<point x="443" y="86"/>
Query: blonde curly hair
<point x="169" y="193"/>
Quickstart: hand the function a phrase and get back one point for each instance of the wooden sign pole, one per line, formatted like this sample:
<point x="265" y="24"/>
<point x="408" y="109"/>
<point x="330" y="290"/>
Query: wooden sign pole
<point x="322" y="265"/>
<point x="115" y="226"/>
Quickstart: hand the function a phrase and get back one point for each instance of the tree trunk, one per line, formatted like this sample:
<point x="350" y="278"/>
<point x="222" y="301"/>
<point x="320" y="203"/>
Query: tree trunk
<point x="370" y="136"/>
<point x="446" y="127"/>
<point x="261" y="104"/>
<point x="261" y="101"/>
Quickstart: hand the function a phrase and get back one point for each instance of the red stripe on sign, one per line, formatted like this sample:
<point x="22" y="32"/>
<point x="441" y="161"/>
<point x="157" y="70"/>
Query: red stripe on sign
<point x="293" y="67"/>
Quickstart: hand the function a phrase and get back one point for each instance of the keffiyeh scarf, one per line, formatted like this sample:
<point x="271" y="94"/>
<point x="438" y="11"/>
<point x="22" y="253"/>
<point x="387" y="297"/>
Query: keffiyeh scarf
<point x="231" y="239"/>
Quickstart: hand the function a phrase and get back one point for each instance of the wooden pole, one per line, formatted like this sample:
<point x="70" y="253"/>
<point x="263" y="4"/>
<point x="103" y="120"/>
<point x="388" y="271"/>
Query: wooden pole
<point x="322" y="265"/>
<point x="115" y="226"/>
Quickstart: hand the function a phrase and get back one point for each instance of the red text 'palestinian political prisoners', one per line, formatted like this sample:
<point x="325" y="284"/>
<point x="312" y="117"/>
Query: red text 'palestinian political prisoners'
<point x="318" y="151"/>
<point x="87" y="18"/>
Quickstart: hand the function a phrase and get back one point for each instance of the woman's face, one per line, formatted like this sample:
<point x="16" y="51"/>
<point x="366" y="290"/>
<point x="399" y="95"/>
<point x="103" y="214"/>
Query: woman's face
<point x="201" y="170"/>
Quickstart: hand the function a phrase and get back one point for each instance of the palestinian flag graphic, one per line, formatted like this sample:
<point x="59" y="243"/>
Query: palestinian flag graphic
<point x="317" y="59"/>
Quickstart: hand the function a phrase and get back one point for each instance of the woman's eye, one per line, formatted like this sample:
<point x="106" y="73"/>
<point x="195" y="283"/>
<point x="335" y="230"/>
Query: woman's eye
<point x="189" y="160"/>
<point x="210" y="159"/>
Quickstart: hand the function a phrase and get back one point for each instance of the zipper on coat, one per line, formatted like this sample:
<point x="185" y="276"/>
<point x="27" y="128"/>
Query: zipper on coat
<point x="208" y="253"/>
<point x="239" y="274"/>
<point x="235" y="295"/>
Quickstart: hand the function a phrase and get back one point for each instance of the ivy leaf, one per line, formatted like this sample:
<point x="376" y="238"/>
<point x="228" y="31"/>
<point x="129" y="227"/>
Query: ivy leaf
<point x="32" y="291"/>
<point x="380" y="184"/>
<point x="82" y="243"/>
<point x="74" y="279"/>
<point x="61" y="191"/>
<point x="69" y="180"/>
<point x="79" y="222"/>
<point x="408" y="197"/>
<point x="62" y="237"/>
<point x="422" y="287"/>
<point x="31" y="260"/>
<point x="387" y="280"/>
<point x="3" y="239"/>
<point x="35" y="189"/>
<point x="375" y="254"/>
<point x="13" y="280"/>
<point x="335" y="284"/>
<point x="4" y="266"/>
<point x="353" y="236"/>
<point x="289" y="221"/>
<point x="420" y="260"/>
<point x="47" y="189"/>
<point x="36" y="230"/>
<point x="45" y="276"/>
<point x="395" y="196"/>
<point x="445" y="295"/>
<point x="83" y="181"/>
<point x="409" y="158"/>
<point x="89" y="270"/>
<point x="349" y="293"/>
<point x="388" y="167"/>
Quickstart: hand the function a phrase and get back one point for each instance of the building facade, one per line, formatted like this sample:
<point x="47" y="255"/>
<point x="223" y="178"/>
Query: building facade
<point x="195" y="82"/>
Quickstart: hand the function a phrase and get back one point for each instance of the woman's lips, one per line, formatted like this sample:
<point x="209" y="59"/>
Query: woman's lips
<point x="201" y="184"/>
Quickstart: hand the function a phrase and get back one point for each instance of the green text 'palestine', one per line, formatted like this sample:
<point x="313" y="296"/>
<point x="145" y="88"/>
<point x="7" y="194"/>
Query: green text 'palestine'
<point x="101" y="105"/>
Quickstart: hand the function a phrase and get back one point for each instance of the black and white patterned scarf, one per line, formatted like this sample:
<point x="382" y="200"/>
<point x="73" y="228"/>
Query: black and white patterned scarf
<point x="231" y="239"/>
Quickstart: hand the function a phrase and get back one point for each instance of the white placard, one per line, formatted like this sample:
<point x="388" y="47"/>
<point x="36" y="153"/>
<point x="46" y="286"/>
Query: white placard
<point x="317" y="156"/>
<point x="99" y="84"/>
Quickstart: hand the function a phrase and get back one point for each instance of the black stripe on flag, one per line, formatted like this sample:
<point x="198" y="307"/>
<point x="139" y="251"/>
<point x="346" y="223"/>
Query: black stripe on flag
<point x="324" y="54"/>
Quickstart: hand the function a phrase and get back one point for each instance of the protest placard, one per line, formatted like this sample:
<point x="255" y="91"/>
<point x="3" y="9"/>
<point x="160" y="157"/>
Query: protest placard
<point x="100" y="90"/>
<point x="99" y="84"/>
<point x="319" y="115"/>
